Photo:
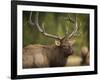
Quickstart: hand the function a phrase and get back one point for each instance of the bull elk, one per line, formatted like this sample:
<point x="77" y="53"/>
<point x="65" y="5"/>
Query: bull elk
<point x="55" y="55"/>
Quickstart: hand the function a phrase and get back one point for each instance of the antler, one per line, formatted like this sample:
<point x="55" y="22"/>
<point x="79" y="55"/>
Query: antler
<point x="75" y="28"/>
<point x="41" y="29"/>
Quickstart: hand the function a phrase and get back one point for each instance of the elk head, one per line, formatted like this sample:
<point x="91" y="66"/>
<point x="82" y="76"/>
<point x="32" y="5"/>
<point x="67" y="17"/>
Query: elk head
<point x="64" y="43"/>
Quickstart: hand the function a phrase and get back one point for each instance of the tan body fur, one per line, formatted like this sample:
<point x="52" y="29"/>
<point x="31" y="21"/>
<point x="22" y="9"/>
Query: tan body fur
<point x="44" y="56"/>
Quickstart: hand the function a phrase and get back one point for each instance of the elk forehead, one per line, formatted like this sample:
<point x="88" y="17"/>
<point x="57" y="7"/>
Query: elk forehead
<point x="68" y="42"/>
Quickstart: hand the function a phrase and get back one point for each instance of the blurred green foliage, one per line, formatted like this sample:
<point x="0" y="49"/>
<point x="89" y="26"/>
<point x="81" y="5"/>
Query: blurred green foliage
<point x="56" y="23"/>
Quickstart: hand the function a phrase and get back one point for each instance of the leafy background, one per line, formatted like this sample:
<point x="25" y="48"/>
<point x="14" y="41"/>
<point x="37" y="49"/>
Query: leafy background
<point x="56" y="23"/>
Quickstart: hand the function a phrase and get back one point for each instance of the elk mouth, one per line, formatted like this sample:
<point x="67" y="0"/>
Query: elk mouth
<point x="68" y="53"/>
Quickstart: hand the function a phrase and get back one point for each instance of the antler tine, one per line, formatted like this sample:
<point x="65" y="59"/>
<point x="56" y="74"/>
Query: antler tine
<point x="68" y="19"/>
<point x="75" y="28"/>
<point x="36" y="21"/>
<point x="30" y="19"/>
<point x="42" y="30"/>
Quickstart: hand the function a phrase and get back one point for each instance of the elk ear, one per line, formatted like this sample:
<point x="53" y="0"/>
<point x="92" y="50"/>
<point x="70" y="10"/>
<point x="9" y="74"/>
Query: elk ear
<point x="71" y="42"/>
<point x="57" y="43"/>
